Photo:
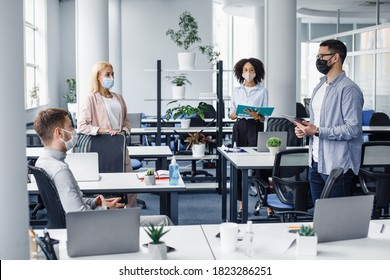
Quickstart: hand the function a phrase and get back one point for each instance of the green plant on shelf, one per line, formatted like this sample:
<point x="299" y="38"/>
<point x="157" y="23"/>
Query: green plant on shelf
<point x="185" y="111"/>
<point x="178" y="80"/>
<point x="70" y="95"/>
<point x="149" y="172"/>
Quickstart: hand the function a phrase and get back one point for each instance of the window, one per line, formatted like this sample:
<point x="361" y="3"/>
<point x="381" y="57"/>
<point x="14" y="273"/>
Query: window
<point x="35" y="53"/>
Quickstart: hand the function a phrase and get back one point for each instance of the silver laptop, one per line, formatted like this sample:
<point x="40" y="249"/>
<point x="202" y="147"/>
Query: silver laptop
<point x="84" y="166"/>
<point x="263" y="136"/>
<point x="113" y="231"/>
<point x="342" y="218"/>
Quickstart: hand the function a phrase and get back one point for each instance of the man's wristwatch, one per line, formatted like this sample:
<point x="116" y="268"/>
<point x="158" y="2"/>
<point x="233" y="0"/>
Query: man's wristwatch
<point x="316" y="133"/>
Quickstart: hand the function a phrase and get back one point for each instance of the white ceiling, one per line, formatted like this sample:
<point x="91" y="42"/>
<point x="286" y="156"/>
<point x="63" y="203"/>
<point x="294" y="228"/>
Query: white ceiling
<point x="321" y="11"/>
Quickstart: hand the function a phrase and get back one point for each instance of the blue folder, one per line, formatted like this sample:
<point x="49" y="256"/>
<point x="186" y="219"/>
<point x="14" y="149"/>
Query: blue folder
<point x="264" y="111"/>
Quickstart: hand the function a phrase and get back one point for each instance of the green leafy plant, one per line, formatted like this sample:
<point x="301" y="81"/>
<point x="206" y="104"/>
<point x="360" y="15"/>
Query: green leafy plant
<point x="211" y="54"/>
<point x="274" y="142"/>
<point x="70" y="95"/>
<point x="178" y="80"/>
<point x="306" y="230"/>
<point x="155" y="233"/>
<point x="187" y="35"/>
<point x="185" y="111"/>
<point x="34" y="92"/>
<point x="196" y="139"/>
<point x="149" y="172"/>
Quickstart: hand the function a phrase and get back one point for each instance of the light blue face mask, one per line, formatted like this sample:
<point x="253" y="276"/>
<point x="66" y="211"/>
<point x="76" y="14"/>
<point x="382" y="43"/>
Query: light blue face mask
<point x="108" y="83"/>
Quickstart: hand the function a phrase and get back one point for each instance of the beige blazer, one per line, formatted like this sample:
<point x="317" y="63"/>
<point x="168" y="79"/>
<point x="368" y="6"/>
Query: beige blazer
<point x="93" y="115"/>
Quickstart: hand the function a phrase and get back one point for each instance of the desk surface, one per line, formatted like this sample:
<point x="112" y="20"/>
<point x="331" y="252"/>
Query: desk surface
<point x="199" y="242"/>
<point x="121" y="183"/>
<point x="224" y="120"/>
<point x="136" y="151"/>
<point x="269" y="240"/>
<point x="189" y="242"/>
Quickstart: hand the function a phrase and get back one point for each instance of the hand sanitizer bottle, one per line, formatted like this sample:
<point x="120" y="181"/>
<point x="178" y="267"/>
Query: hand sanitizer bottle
<point x="235" y="147"/>
<point x="248" y="239"/>
<point x="174" y="173"/>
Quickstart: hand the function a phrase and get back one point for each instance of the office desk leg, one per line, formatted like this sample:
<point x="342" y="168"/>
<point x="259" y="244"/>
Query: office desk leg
<point x="169" y="206"/>
<point x="245" y="195"/>
<point x="233" y="193"/>
<point x="222" y="186"/>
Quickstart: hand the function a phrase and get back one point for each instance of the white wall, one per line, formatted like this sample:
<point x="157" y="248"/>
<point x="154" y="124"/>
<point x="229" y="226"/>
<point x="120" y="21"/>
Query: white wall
<point x="144" y="24"/>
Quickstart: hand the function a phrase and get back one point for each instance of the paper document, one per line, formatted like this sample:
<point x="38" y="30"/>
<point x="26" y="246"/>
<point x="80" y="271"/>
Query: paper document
<point x="264" y="111"/>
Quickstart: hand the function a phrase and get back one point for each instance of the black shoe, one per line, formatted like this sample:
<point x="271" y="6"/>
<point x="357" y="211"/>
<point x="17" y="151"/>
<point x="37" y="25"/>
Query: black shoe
<point x="270" y="214"/>
<point x="239" y="214"/>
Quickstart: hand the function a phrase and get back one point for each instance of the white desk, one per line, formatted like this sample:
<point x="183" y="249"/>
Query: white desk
<point x="129" y="183"/>
<point x="159" y="152"/>
<point x="207" y="120"/>
<point x="368" y="129"/>
<point x="243" y="161"/>
<point x="189" y="242"/>
<point x="268" y="237"/>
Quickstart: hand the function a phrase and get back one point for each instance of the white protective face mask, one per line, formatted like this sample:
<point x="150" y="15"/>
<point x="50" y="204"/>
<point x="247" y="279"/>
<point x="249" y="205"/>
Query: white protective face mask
<point x="72" y="141"/>
<point x="248" y="76"/>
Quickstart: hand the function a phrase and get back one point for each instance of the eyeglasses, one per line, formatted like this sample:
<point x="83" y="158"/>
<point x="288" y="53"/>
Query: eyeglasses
<point x="321" y="56"/>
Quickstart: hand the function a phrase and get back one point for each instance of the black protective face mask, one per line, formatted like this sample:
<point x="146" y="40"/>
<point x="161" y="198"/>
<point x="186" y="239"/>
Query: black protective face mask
<point x="322" y="66"/>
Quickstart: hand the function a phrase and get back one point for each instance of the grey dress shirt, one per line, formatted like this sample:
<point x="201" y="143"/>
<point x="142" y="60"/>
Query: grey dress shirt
<point x="71" y="197"/>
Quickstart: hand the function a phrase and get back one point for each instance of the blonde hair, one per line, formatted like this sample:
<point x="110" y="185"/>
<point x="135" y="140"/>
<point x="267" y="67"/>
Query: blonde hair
<point x="94" y="84"/>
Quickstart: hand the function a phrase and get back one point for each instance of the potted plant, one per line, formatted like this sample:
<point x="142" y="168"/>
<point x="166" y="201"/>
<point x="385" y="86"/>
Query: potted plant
<point x="178" y="85"/>
<point x="211" y="54"/>
<point x="34" y="96"/>
<point x="197" y="142"/>
<point x="150" y="177"/>
<point x="184" y="38"/>
<point x="71" y="97"/>
<point x="306" y="241"/>
<point x="273" y="144"/>
<point x="157" y="249"/>
<point x="185" y="112"/>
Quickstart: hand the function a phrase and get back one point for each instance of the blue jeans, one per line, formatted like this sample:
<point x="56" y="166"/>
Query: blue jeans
<point x="342" y="187"/>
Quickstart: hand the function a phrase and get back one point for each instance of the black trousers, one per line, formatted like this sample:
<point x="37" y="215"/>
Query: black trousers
<point x="245" y="135"/>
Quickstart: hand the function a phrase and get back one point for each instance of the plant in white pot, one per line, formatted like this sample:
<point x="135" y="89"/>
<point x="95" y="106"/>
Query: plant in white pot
<point x="150" y="177"/>
<point x="273" y="144"/>
<point x="157" y="249"/>
<point x="197" y="142"/>
<point x="185" y="37"/>
<point x="306" y="241"/>
<point x="71" y="97"/>
<point x="185" y="112"/>
<point x="178" y="84"/>
<point x="34" y="96"/>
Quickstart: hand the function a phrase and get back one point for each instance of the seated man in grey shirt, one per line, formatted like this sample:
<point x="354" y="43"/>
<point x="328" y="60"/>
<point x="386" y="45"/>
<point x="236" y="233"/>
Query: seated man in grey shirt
<point x="55" y="130"/>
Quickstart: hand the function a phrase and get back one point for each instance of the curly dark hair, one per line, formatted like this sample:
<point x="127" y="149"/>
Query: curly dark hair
<point x="256" y="63"/>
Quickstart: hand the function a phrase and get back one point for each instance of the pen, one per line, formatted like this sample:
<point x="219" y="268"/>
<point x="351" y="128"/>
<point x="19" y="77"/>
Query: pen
<point x="294" y="227"/>
<point x="382" y="228"/>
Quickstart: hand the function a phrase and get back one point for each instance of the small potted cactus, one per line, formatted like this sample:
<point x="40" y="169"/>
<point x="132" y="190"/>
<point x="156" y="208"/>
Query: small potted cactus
<point x="306" y="241"/>
<point x="273" y="144"/>
<point x="150" y="177"/>
<point x="157" y="249"/>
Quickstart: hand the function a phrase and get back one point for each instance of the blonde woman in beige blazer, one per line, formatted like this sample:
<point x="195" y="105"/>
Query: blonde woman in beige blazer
<point x="104" y="111"/>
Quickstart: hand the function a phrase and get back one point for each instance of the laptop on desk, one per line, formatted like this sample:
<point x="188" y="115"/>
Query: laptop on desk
<point x="342" y="218"/>
<point x="84" y="166"/>
<point x="263" y="136"/>
<point x="113" y="231"/>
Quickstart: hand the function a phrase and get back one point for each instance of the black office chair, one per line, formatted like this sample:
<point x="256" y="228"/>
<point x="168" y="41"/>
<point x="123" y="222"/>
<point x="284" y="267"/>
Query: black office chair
<point x="50" y="198"/>
<point x="283" y="124"/>
<point x="112" y="154"/>
<point x="374" y="175"/>
<point x="379" y="119"/>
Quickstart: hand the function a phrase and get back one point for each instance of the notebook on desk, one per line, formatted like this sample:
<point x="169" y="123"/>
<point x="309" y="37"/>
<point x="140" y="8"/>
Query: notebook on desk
<point x="263" y="136"/>
<point x="342" y="218"/>
<point x="84" y="166"/>
<point x="113" y="231"/>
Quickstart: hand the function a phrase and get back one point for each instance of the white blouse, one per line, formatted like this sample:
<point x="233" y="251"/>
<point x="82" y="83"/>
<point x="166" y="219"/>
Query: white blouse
<point x="252" y="96"/>
<point x="114" y="112"/>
